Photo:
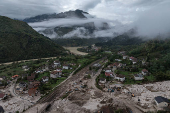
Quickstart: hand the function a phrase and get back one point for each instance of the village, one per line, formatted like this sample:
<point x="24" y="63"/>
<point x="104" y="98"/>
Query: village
<point x="118" y="82"/>
<point x="29" y="88"/>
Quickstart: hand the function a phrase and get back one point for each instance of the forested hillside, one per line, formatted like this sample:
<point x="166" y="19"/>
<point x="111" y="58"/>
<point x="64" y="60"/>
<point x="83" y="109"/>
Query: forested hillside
<point x="19" y="41"/>
<point x="78" y="41"/>
<point x="157" y="53"/>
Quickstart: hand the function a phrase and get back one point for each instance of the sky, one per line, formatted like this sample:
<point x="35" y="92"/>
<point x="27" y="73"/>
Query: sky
<point x="125" y="11"/>
<point x="148" y="16"/>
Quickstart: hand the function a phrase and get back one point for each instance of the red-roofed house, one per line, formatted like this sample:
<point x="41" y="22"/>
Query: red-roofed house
<point x="115" y="65"/>
<point x="108" y="74"/>
<point x="131" y="58"/>
<point x="2" y="96"/>
<point x="32" y="91"/>
<point x="15" y="76"/>
<point x="144" y="72"/>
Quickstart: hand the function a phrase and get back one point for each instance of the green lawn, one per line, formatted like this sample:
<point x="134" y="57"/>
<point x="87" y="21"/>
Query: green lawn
<point x="151" y="78"/>
<point x="58" y="82"/>
<point x="131" y="81"/>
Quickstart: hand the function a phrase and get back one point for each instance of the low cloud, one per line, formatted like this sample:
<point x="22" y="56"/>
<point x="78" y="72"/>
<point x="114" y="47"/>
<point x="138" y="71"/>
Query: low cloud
<point x="154" y="22"/>
<point x="113" y="28"/>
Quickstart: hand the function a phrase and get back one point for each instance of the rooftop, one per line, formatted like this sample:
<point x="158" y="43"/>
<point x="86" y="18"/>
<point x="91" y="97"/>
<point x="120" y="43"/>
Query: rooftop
<point x="160" y="99"/>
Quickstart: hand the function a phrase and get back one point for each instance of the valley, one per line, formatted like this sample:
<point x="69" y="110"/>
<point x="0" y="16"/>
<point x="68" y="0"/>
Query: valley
<point x="110" y="57"/>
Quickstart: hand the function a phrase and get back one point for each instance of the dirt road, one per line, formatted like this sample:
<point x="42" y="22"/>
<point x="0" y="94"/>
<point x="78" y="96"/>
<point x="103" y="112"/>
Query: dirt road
<point x="8" y="63"/>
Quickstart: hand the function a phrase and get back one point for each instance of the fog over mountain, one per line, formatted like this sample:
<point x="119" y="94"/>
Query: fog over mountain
<point x="100" y="18"/>
<point x="72" y="24"/>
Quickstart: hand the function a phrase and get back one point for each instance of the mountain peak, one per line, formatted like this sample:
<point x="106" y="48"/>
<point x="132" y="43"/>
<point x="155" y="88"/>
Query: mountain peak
<point x="68" y="14"/>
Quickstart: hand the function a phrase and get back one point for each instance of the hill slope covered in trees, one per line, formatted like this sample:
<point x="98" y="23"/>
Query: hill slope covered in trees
<point x="19" y="41"/>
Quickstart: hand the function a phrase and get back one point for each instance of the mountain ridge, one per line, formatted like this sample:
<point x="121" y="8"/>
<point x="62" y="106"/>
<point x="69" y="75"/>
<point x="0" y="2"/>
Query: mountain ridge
<point x="18" y="41"/>
<point x="77" y="13"/>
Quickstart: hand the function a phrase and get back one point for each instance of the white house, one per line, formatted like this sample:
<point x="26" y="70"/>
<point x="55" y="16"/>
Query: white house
<point x="144" y="72"/>
<point x="134" y="61"/>
<point x="57" y="63"/>
<point x="118" y="60"/>
<point x="138" y="77"/>
<point x="125" y="56"/>
<point x="66" y="66"/>
<point x="120" y="77"/>
<point x="102" y="80"/>
<point x="162" y="102"/>
<point x="55" y="74"/>
<point x="45" y="79"/>
<point x="58" y="69"/>
<point x="121" y="52"/>
<point x="26" y="68"/>
<point x="108" y="70"/>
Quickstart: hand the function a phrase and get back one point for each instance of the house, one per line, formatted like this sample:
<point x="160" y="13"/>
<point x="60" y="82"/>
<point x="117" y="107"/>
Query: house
<point x="144" y="72"/>
<point x="134" y="61"/>
<point x="109" y="74"/>
<point x="138" y="77"/>
<point x="1" y="79"/>
<point x="45" y="79"/>
<point x="32" y="91"/>
<point x="108" y="70"/>
<point x="125" y="57"/>
<point x="102" y="80"/>
<point x="2" y="96"/>
<point x="38" y="71"/>
<point x="120" y="77"/>
<point x="57" y="63"/>
<point x="32" y="88"/>
<point x="97" y="65"/>
<point x="44" y="68"/>
<point x="31" y="78"/>
<point x="15" y="76"/>
<point x="25" y="68"/>
<point x="114" y="65"/>
<point x="162" y="102"/>
<point x="59" y="69"/>
<point x="121" y="52"/>
<point x="120" y="65"/>
<point x="1" y="110"/>
<point x="130" y="58"/>
<point x="118" y="60"/>
<point x="55" y="74"/>
<point x="66" y="66"/>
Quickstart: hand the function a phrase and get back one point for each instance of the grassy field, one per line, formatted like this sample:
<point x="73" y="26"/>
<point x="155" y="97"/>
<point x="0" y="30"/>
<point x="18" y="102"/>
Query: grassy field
<point x="75" y="51"/>
<point x="58" y="82"/>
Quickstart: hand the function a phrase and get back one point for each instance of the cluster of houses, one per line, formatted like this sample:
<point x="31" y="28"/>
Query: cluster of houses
<point x="109" y="71"/>
<point x="31" y="87"/>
